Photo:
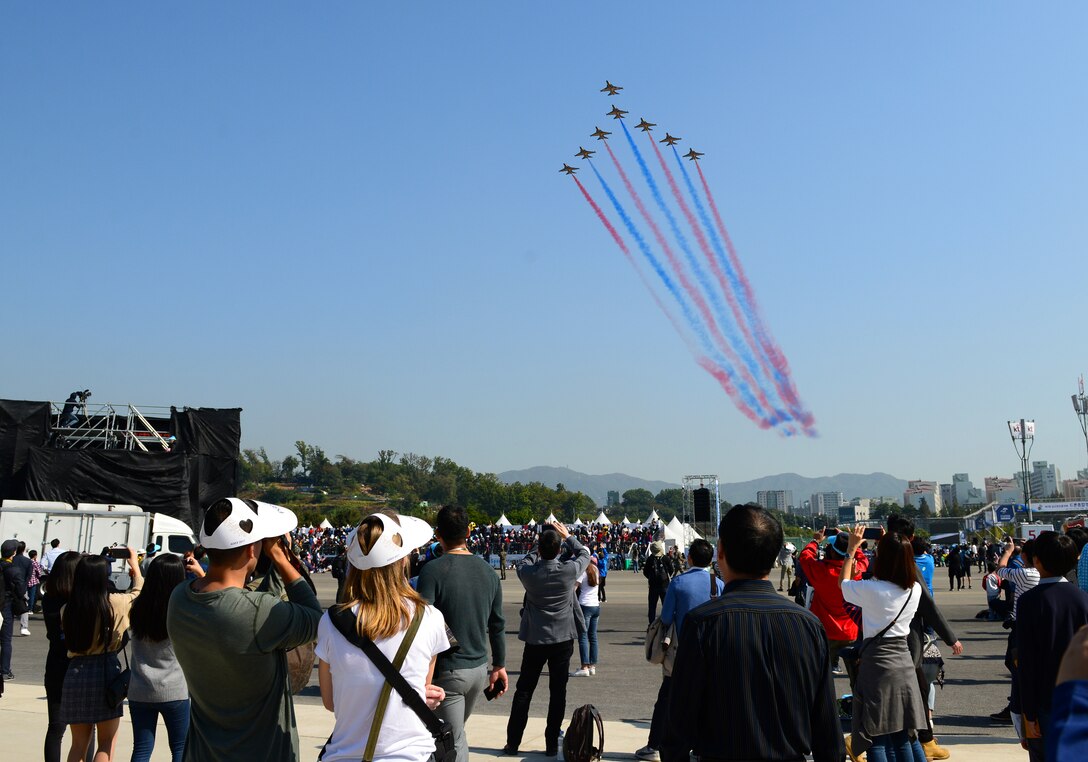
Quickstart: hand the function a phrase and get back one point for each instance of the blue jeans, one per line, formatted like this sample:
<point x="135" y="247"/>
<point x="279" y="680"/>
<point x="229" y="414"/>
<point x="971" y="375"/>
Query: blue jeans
<point x="587" y="641"/>
<point x="175" y="715"/>
<point x="894" y="747"/>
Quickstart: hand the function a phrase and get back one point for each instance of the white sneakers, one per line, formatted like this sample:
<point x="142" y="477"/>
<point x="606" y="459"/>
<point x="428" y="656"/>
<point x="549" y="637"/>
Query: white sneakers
<point x="593" y="670"/>
<point x="24" y="632"/>
<point x="648" y="753"/>
<point x="583" y="672"/>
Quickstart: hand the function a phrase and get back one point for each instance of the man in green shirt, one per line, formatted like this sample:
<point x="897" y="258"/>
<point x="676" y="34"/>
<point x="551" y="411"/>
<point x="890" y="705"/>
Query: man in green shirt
<point x="465" y="589"/>
<point x="231" y="642"/>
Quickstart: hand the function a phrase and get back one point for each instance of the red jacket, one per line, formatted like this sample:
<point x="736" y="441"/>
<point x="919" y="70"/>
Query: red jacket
<point x="827" y="601"/>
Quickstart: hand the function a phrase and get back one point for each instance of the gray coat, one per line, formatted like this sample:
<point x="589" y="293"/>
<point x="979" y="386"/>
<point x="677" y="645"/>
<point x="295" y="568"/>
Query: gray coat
<point x="549" y="613"/>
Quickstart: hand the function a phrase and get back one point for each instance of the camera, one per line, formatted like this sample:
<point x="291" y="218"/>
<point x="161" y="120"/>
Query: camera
<point x="119" y="553"/>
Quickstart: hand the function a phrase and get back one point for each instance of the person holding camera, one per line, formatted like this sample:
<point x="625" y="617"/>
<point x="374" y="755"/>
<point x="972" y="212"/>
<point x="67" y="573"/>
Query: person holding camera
<point x="827" y="601"/>
<point x="94" y="622"/>
<point x="373" y="722"/>
<point x="548" y="629"/>
<point x="231" y="642"/>
<point x="463" y="586"/>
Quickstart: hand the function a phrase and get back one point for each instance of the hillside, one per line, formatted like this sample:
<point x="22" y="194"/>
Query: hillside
<point x="595" y="486"/>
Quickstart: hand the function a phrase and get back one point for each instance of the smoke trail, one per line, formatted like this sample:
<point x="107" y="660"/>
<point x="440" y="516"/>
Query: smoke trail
<point x="741" y="288"/>
<point x="690" y="288"/>
<point x="746" y="402"/>
<point x="744" y="345"/>
<point x="777" y="358"/>
<point x="702" y="360"/>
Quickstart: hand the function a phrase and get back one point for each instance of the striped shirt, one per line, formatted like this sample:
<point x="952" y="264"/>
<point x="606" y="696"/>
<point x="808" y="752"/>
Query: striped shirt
<point x="752" y="681"/>
<point x="1022" y="579"/>
<point x="1082" y="570"/>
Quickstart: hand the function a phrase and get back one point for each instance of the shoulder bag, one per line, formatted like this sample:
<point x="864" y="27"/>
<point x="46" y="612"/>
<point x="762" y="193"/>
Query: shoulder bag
<point x="854" y="653"/>
<point x="445" y="749"/>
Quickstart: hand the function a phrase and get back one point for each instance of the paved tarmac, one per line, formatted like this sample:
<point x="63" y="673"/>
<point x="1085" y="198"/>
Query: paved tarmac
<point x="624" y="688"/>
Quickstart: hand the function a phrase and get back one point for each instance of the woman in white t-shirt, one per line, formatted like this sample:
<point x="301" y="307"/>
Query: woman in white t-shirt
<point x="385" y="608"/>
<point x="887" y="707"/>
<point x="588" y="601"/>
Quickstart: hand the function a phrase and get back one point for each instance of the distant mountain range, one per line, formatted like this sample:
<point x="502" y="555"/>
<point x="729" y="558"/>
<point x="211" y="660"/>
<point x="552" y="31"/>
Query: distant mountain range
<point x="597" y="486"/>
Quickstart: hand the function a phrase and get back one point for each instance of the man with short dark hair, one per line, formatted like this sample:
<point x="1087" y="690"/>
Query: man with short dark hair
<point x="751" y="679"/>
<point x="1056" y="610"/>
<point x="231" y="642"/>
<point x="464" y="588"/>
<point x="688" y="590"/>
<point x="549" y="629"/>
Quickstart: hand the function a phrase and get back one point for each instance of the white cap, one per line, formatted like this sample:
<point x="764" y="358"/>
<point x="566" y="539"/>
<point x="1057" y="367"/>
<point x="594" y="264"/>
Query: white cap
<point x="249" y="522"/>
<point x="412" y="533"/>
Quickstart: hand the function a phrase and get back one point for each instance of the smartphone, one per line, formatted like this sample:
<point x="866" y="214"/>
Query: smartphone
<point x="492" y="691"/>
<point x="872" y="533"/>
<point x="830" y="532"/>
<point x="119" y="553"/>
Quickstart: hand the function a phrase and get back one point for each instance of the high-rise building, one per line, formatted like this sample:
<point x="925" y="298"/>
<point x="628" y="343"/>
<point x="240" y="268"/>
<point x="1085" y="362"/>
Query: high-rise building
<point x="1002" y="490"/>
<point x="1046" y="480"/>
<point x="1075" y="489"/>
<point x="964" y="493"/>
<point x="776" y="499"/>
<point x="919" y="490"/>
<point x="613" y="497"/>
<point x="948" y="494"/>
<point x="825" y="504"/>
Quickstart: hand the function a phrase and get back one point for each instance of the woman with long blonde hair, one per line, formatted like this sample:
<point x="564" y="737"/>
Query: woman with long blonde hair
<point x="411" y="634"/>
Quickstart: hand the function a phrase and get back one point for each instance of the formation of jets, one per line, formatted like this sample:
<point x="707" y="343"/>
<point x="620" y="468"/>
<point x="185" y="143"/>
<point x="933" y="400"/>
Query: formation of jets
<point x="618" y="113"/>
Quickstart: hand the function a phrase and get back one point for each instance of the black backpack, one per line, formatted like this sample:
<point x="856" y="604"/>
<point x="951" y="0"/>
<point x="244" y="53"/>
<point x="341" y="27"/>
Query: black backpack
<point x="578" y="740"/>
<point x="656" y="571"/>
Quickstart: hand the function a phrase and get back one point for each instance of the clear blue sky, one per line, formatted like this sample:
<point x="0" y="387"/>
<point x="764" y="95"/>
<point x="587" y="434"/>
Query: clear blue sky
<point x="345" y="218"/>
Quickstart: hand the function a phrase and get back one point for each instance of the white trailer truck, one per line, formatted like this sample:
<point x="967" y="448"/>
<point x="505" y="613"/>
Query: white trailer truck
<point x="90" y="527"/>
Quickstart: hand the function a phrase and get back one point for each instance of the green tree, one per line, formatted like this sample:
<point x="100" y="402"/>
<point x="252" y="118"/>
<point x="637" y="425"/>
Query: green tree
<point x="288" y="466"/>
<point x="671" y="499"/>
<point x="638" y="499"/>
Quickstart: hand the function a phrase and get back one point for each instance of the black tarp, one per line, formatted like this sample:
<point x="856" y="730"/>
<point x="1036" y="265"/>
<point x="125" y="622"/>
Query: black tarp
<point x="208" y="431"/>
<point x="157" y="483"/>
<point x="23" y="425"/>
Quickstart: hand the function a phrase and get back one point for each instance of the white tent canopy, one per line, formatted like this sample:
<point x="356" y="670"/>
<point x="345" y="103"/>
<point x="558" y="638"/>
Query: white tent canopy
<point x="532" y="523"/>
<point x="653" y="517"/>
<point x="325" y="524"/>
<point x="601" y="519"/>
<point x="551" y="519"/>
<point x="577" y="522"/>
<point x="503" y="521"/>
<point x="682" y="534"/>
<point x="628" y="523"/>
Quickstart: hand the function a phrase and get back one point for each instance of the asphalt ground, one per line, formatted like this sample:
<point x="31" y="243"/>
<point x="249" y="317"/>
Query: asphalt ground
<point x="625" y="686"/>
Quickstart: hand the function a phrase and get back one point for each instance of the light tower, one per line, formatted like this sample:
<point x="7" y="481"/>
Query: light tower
<point x="1080" y="405"/>
<point x="1023" y="432"/>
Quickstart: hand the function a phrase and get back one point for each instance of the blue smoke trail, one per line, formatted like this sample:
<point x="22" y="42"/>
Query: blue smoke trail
<point x="734" y="280"/>
<point x="696" y="326"/>
<point x="741" y="347"/>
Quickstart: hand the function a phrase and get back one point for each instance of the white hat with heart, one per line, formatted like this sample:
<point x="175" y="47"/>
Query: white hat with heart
<point x="399" y="537"/>
<point x="249" y="521"/>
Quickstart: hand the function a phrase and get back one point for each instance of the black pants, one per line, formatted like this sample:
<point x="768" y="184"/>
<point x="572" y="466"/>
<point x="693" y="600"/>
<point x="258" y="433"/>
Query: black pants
<point x="557" y="657"/>
<point x="600" y="589"/>
<point x="657" y="594"/>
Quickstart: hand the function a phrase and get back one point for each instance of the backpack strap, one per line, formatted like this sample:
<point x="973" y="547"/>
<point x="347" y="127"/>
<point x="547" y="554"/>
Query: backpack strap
<point x="600" y="731"/>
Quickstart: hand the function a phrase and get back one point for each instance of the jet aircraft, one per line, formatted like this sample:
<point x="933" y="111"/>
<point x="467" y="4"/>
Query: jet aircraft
<point x="669" y="140"/>
<point x="616" y="113"/>
<point x="610" y="88"/>
<point x="645" y="126"/>
<point x="569" y="169"/>
<point x="693" y="155"/>
<point x="600" y="134"/>
<point x="584" y="153"/>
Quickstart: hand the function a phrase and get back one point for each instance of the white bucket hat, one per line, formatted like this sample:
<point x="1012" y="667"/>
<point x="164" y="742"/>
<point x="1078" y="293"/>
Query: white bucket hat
<point x="249" y="522"/>
<point x="411" y="532"/>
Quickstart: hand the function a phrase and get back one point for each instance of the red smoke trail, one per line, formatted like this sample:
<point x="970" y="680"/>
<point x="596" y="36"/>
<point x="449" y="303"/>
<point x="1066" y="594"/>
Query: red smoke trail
<point x="778" y="359"/>
<point x="704" y="362"/>
<point x="738" y="314"/>
<point x="691" y="288"/>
